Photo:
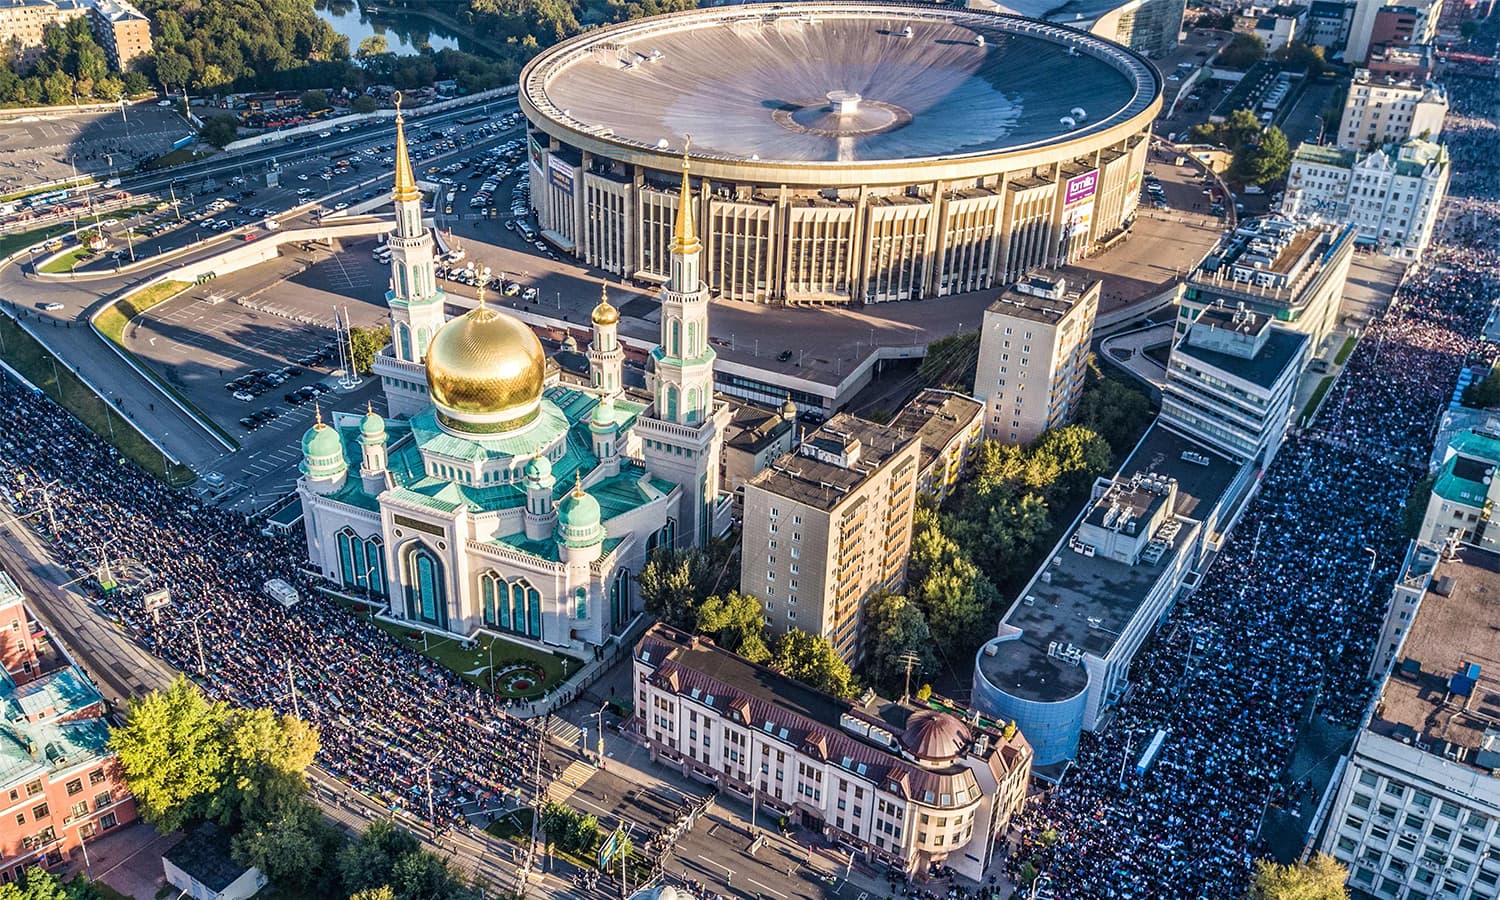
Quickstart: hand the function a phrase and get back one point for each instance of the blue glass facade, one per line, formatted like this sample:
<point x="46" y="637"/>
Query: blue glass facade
<point x="1052" y="728"/>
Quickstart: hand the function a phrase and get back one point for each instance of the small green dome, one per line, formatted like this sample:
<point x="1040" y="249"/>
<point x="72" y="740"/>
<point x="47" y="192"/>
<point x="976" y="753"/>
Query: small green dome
<point x="539" y="469"/>
<point x="604" y="412"/>
<point x="321" y="442"/>
<point x="372" y="426"/>
<point x="579" y="511"/>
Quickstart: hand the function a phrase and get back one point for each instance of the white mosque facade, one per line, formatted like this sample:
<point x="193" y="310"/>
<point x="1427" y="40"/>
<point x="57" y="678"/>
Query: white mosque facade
<point x="494" y="501"/>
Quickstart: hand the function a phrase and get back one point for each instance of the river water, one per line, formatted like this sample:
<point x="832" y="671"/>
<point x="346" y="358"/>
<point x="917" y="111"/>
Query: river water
<point x="404" y="33"/>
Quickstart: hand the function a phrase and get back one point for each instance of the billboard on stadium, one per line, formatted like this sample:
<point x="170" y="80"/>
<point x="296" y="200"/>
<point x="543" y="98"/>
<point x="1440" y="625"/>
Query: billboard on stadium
<point x="560" y="175"/>
<point x="1080" y="187"/>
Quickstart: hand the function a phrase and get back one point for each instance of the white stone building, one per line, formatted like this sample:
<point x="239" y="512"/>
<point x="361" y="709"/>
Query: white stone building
<point x="1380" y="111"/>
<point x="1391" y="195"/>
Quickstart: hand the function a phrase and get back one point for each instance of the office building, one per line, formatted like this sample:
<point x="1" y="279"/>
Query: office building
<point x="1033" y="355"/>
<point x="829" y="525"/>
<point x="1464" y="492"/>
<point x="1417" y="809"/>
<point x="24" y="24"/>
<point x="756" y="438"/>
<point x="60" y="781"/>
<point x="1415" y="64"/>
<point x="1391" y="195"/>
<point x="1231" y="381"/>
<point x="122" y="30"/>
<point x="1379" y="111"/>
<point x="1062" y="652"/>
<point x="951" y="427"/>
<point x="1276" y="26"/>
<point x="907" y="785"/>
<point x="1328" y="24"/>
<point x="1292" y="272"/>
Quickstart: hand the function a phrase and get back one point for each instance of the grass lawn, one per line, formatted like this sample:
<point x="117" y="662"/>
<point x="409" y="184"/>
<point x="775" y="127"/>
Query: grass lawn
<point x="175" y="158"/>
<point x="112" y="321"/>
<point x="10" y="243"/>
<point x="513" y="826"/>
<point x="65" y="262"/>
<point x="24" y="354"/>
<point x="1316" y="398"/>
<point x="473" y="665"/>
<point x="1344" y="351"/>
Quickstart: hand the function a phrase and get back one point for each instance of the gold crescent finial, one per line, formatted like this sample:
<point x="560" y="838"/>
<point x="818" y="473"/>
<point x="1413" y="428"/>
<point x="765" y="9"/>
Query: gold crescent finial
<point x="396" y="99"/>
<point x="318" y="412"/>
<point x="577" y="483"/>
<point x="687" y="144"/>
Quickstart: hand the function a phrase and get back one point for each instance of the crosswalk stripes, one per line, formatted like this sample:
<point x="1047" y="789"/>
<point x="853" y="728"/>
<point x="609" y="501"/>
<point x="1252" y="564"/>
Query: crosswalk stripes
<point x="569" y="780"/>
<point x="565" y="732"/>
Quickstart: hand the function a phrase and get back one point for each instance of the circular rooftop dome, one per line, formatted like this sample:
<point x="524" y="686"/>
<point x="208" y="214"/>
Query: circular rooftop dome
<point x="485" y="371"/>
<point x="933" y="736"/>
<point x="832" y="82"/>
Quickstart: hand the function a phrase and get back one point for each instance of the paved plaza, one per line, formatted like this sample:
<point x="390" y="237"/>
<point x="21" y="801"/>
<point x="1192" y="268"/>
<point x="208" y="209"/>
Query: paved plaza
<point x="42" y="148"/>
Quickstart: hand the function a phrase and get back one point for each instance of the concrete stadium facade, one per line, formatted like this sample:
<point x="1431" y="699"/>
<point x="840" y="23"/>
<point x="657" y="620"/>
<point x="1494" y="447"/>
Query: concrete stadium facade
<point x="942" y="151"/>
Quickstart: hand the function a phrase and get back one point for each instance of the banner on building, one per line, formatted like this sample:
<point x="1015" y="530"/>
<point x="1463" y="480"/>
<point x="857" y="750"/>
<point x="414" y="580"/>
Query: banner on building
<point x="1080" y="188"/>
<point x="560" y="174"/>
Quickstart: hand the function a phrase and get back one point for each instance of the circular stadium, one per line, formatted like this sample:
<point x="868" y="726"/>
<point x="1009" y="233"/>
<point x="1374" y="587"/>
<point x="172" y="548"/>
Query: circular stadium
<point x="840" y="152"/>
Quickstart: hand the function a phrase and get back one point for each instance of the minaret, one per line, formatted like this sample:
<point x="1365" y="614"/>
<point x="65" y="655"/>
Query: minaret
<point x="372" y="439"/>
<point x="541" y="515"/>
<point x="415" y="300"/>
<point x="683" y="430"/>
<point x="606" y="357"/>
<point x="684" y="361"/>
<point x="324" y="468"/>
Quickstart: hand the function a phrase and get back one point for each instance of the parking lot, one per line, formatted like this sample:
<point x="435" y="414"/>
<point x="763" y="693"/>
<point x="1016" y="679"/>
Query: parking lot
<point x="35" y="149"/>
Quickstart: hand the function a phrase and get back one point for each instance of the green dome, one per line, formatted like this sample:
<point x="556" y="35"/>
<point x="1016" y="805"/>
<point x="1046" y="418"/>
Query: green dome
<point x="372" y="426"/>
<point x="604" y="412"/>
<point x="539" y="469"/>
<point x="321" y="442"/>
<point x="579" y="511"/>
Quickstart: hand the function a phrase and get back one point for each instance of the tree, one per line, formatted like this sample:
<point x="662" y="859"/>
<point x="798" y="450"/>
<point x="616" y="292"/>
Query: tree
<point x="314" y="100"/>
<point x="568" y="829"/>
<point x="735" y="623"/>
<point x="172" y="754"/>
<point x="1114" y="410"/>
<point x="36" y="884"/>
<point x="1320" y="878"/>
<point x="671" y="583"/>
<point x="366" y="864"/>
<point x="292" y="846"/>
<point x="1271" y="159"/>
<point x="1242" y="51"/>
<point x="374" y="45"/>
<point x="383" y="892"/>
<point x="219" y="130"/>
<point x="811" y="659"/>
<point x="364" y="104"/>
<point x="424" y="876"/>
<point x="365" y="343"/>
<point x="1307" y="57"/>
<point x="136" y="84"/>
<point x="895" y="627"/>
<point x="267" y="756"/>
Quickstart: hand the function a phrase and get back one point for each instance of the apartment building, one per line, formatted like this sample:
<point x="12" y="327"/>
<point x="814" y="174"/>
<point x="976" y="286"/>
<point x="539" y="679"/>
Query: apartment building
<point x="905" y="784"/>
<point x="24" y="23"/>
<point x="1290" y="271"/>
<point x="1417" y="809"/>
<point x="828" y="525"/>
<point x="756" y="437"/>
<point x="122" y="30"/>
<point x="951" y="427"/>
<point x="1231" y="381"/>
<point x="1391" y="195"/>
<point x="60" y="785"/>
<point x="1379" y="111"/>
<point x="1033" y="355"/>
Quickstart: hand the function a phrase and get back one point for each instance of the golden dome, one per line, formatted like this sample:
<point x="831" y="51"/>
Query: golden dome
<point x="485" y="371"/>
<point x="605" y="313"/>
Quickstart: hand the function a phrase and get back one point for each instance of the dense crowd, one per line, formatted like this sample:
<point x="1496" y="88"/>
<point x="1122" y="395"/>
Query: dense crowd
<point x="1283" y="627"/>
<point x="391" y="721"/>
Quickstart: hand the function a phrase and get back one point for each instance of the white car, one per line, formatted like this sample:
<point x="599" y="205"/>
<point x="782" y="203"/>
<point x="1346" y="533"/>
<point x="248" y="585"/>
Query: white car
<point x="530" y="294"/>
<point x="325" y="134"/>
<point x="54" y="306"/>
<point x="341" y="205"/>
<point x="244" y="396"/>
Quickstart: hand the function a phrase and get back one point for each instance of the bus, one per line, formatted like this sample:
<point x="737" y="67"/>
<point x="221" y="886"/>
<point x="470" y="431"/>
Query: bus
<point x="45" y="199"/>
<point x="282" y="593"/>
<point x="1153" y="749"/>
<point x="472" y="119"/>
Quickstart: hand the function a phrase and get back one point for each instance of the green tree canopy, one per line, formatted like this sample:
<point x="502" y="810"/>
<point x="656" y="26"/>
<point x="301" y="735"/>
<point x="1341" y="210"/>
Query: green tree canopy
<point x="1298" y="55"/>
<point x="293" y="845"/>
<point x="383" y="892"/>
<point x="811" y="659"/>
<point x="365" y="343"/>
<point x="1242" y="51"/>
<point x="171" y="751"/>
<point x="364" y="104"/>
<point x="736" y="623"/>
<point x="1115" y="411"/>
<point x="267" y="755"/>
<point x="374" y="45"/>
<point x="672" y="583"/>
<point x="219" y="131"/>
<point x="366" y="864"/>
<point x="314" y="100"/>
<point x="1320" y="878"/>
<point x="1270" y="160"/>
<point x="894" y="627"/>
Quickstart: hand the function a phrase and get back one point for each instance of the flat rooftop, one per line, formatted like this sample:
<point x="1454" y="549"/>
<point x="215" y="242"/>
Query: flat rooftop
<point x="1417" y="702"/>
<point x="1034" y="308"/>
<point x="937" y="417"/>
<point x="1084" y="588"/>
<point x="824" y="485"/>
<point x="1281" y="349"/>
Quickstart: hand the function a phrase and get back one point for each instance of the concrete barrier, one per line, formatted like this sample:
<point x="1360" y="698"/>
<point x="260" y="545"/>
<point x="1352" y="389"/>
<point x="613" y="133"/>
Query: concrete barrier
<point x="379" y="115"/>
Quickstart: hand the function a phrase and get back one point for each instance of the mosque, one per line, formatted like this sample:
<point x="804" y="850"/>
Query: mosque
<point x="496" y="498"/>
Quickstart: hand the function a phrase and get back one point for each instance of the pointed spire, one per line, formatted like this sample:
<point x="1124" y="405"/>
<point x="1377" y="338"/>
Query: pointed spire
<point x="577" y="483"/>
<point x="684" y="231"/>
<point x="370" y="407"/>
<point x="406" y="179"/>
<point x="317" y="414"/>
<point x="604" y="313"/>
